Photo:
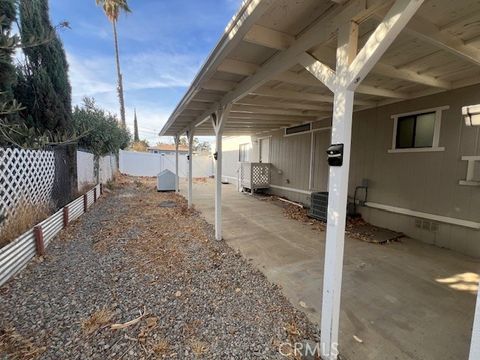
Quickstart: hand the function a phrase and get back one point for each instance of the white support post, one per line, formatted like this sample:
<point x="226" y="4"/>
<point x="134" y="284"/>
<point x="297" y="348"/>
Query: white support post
<point x="338" y="192"/>
<point x="351" y="69"/>
<point x="177" y="177"/>
<point x="218" y="120"/>
<point x="190" y="167"/>
<point x="475" y="344"/>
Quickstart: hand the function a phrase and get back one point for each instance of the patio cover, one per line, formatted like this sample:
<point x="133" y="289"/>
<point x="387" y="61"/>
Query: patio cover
<point x="257" y="64"/>
<point x="282" y="63"/>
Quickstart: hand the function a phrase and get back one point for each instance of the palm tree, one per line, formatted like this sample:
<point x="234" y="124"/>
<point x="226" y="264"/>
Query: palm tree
<point x="112" y="9"/>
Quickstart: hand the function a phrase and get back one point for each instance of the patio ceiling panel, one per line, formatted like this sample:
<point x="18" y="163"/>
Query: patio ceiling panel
<point x="256" y="63"/>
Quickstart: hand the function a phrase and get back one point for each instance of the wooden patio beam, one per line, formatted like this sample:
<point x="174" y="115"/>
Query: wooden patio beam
<point x="319" y="33"/>
<point x="423" y="29"/>
<point x="280" y="41"/>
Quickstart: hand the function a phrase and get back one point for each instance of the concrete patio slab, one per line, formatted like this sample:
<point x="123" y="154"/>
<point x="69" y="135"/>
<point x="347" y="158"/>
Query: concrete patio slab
<point x="405" y="300"/>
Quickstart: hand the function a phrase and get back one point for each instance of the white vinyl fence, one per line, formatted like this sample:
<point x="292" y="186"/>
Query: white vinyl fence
<point x="147" y="164"/>
<point x="107" y="166"/>
<point x="85" y="168"/>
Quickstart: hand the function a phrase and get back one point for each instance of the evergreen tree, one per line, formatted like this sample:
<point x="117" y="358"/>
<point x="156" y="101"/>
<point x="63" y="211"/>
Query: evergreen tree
<point x="136" y="138"/>
<point x="8" y="76"/>
<point x="43" y="85"/>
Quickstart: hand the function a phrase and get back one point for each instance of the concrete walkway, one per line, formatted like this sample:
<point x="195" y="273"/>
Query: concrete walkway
<point x="404" y="300"/>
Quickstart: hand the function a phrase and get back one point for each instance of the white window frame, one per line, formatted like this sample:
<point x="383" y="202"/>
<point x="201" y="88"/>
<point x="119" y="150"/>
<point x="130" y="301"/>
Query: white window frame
<point x="436" y="133"/>
<point x="269" y="137"/>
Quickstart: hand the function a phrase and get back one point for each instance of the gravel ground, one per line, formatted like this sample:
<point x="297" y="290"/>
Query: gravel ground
<point x="143" y="256"/>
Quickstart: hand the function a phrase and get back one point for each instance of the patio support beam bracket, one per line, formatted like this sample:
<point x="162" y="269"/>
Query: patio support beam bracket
<point x="351" y="68"/>
<point x="380" y="40"/>
<point x="321" y="71"/>
<point x="176" y="139"/>
<point x="219" y="119"/>
<point x="190" y="133"/>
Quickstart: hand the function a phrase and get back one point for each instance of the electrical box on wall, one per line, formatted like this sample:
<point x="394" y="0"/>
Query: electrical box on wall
<point x="471" y="114"/>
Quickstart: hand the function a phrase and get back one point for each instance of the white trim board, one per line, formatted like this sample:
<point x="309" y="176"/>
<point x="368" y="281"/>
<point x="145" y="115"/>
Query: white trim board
<point x="416" y="150"/>
<point x="423" y="215"/>
<point x="421" y="111"/>
<point x="305" y="192"/>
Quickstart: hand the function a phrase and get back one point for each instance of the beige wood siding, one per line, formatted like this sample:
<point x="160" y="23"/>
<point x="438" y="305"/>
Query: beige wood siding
<point x="290" y="159"/>
<point x="321" y="141"/>
<point x="420" y="181"/>
<point x="426" y="182"/>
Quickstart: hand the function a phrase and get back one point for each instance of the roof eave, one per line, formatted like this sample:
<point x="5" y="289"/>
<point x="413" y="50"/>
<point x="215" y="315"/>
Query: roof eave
<point x="219" y="50"/>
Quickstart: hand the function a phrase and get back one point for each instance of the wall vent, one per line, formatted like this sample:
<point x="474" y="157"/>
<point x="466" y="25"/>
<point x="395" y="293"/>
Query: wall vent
<point x="426" y="225"/>
<point x="299" y="129"/>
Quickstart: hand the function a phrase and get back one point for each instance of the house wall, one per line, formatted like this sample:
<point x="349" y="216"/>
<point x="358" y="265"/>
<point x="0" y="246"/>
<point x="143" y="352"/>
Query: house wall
<point x="230" y="160"/>
<point x="426" y="182"/>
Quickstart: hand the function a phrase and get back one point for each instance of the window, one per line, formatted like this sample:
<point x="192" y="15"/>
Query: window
<point x="298" y="129"/>
<point x="244" y="152"/>
<point x="416" y="132"/>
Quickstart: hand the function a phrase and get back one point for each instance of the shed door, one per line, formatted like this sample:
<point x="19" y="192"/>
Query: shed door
<point x="321" y="141"/>
<point x="264" y="156"/>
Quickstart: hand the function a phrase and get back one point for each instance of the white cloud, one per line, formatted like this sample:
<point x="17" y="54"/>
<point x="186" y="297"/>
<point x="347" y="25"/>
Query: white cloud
<point x="151" y="70"/>
<point x="96" y="77"/>
<point x="103" y="31"/>
<point x="86" y="77"/>
<point x="159" y="70"/>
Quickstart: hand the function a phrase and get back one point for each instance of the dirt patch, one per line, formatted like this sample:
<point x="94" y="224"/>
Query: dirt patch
<point x="200" y="180"/>
<point x="301" y="214"/>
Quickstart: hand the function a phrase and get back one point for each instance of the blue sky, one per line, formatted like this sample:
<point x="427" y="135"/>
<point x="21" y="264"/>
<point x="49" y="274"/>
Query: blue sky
<point x="163" y="43"/>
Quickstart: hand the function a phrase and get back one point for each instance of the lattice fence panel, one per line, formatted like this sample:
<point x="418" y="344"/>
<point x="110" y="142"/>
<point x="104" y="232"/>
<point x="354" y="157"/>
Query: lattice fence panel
<point x="255" y="175"/>
<point x="245" y="169"/>
<point x="261" y="175"/>
<point x="25" y="176"/>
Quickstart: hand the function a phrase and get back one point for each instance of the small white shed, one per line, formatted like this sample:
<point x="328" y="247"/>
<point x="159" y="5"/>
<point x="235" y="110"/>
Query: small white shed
<point x="166" y="181"/>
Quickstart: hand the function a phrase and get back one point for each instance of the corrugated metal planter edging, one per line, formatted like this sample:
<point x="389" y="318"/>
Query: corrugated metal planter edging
<point x="16" y="255"/>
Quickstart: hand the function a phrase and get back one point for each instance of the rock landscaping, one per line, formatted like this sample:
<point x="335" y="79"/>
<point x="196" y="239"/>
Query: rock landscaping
<point x="140" y="276"/>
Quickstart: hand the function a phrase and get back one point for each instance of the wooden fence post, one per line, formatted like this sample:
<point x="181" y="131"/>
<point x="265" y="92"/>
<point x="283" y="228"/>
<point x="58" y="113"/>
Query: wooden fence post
<point x="39" y="243"/>
<point x="95" y="194"/>
<point x="101" y="189"/>
<point x="65" y="216"/>
<point x="85" y="202"/>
